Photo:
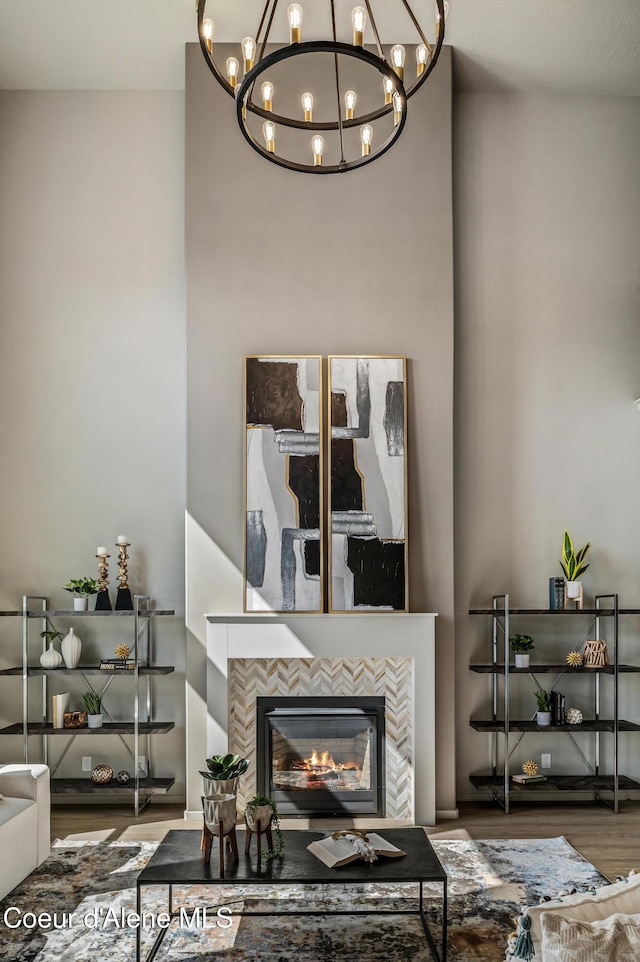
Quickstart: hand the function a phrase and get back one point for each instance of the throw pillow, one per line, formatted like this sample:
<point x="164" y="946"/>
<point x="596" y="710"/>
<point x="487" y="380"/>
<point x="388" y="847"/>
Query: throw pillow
<point x="615" y="939"/>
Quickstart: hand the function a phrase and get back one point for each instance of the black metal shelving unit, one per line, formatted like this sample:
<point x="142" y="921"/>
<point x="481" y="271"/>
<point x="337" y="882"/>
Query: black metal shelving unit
<point x="142" y="785"/>
<point x="606" y="787"/>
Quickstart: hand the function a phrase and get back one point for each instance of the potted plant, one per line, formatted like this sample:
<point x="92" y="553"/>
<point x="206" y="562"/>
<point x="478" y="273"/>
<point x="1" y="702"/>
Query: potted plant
<point x="93" y="704"/>
<point x="223" y="772"/>
<point x="265" y="809"/>
<point x="543" y="714"/>
<point x="573" y="565"/>
<point x="81" y="588"/>
<point x="521" y="645"/>
<point x="51" y="658"/>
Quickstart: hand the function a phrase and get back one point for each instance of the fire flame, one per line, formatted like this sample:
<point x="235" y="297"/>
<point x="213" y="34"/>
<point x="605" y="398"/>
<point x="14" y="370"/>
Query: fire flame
<point x="323" y="762"/>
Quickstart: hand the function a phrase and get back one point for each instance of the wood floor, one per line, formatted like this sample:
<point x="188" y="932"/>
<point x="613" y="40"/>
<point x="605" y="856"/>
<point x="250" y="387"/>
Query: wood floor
<point x="611" y="842"/>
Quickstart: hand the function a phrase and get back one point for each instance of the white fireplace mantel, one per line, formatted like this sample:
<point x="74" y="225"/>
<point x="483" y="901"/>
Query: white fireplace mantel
<point x="373" y="635"/>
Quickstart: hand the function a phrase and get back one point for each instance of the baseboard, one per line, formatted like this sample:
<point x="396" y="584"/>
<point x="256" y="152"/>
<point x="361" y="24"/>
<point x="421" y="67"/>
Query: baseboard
<point x="192" y="816"/>
<point x="444" y="814"/>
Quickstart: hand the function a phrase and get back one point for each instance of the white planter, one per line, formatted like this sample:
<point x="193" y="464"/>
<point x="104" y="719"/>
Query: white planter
<point x="219" y="786"/>
<point x="71" y="649"/>
<point x="80" y="604"/>
<point x="51" y="658"/>
<point x="543" y="717"/>
<point x="219" y="808"/>
<point x="522" y="660"/>
<point x="94" y="721"/>
<point x="573" y="589"/>
<point x="262" y="814"/>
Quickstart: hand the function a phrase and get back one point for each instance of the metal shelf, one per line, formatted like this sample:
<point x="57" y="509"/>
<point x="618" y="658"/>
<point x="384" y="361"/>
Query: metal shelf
<point x="596" y="725"/>
<point x="84" y="786"/>
<point x="108" y="728"/>
<point x="498" y="669"/>
<point x="92" y="670"/>
<point x="557" y="783"/>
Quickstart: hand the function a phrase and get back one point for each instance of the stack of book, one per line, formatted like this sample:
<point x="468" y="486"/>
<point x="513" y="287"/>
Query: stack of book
<point x="558" y="708"/>
<point x="109" y="664"/>
<point x="556" y="593"/>
<point x="528" y="779"/>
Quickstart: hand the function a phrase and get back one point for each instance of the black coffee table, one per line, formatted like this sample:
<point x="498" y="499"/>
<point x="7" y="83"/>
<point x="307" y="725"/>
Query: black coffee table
<point x="178" y="861"/>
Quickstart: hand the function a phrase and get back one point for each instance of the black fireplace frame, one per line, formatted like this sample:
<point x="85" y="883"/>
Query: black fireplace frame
<point x="322" y="803"/>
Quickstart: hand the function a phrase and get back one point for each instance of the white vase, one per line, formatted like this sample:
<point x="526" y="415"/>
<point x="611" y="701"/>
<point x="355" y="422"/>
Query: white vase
<point x="94" y="721"/>
<point x="543" y="717"/>
<point x="51" y="658"/>
<point x="522" y="660"/>
<point x="220" y="808"/>
<point x="573" y="589"/>
<point x="80" y="604"/>
<point x="71" y="647"/>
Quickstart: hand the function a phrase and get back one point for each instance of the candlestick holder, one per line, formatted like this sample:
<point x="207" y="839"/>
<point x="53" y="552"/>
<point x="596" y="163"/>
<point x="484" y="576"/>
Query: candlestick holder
<point x="103" y="601"/>
<point x="124" y="601"/>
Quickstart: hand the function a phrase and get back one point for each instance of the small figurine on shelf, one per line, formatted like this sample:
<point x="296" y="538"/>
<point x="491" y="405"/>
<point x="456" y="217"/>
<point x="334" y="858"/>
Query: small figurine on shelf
<point x="123" y="652"/>
<point x="574" y="659"/>
<point x="124" y="601"/>
<point x="530" y="767"/>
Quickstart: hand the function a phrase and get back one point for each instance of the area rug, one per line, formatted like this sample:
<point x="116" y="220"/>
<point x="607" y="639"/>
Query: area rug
<point x="488" y="882"/>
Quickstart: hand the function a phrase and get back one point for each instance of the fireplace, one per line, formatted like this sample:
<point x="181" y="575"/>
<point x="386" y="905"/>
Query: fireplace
<point x="322" y="755"/>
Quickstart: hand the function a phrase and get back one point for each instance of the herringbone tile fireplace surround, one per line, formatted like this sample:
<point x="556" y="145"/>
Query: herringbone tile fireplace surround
<point x="392" y="678"/>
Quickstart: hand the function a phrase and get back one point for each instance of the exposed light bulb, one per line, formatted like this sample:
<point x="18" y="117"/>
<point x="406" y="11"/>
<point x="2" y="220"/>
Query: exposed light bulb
<point x="387" y="86"/>
<point x="398" y="53"/>
<point x="307" y="105"/>
<point x="269" y="131"/>
<point x="317" y="145"/>
<point x="208" y="30"/>
<point x="248" y="53"/>
<point x="358" y="19"/>
<point x="422" y="55"/>
<point x="232" y="71"/>
<point x="294" y="13"/>
<point x="366" y="136"/>
<point x="350" y="100"/>
<point x="267" y="95"/>
<point x="397" y="108"/>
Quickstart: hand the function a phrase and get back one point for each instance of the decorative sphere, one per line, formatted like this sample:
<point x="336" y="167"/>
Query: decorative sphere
<point x="102" y="774"/>
<point x="530" y="767"/>
<point x="574" y="716"/>
<point x="123" y="778"/>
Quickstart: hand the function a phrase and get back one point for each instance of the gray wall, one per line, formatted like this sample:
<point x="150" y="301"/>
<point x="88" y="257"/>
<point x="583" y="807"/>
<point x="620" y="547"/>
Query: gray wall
<point x="92" y="376"/>
<point x="285" y="263"/>
<point x="547" y="228"/>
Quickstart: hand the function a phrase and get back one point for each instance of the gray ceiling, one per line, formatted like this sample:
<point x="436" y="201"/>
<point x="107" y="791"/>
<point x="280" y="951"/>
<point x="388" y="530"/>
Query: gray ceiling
<point x="554" y="46"/>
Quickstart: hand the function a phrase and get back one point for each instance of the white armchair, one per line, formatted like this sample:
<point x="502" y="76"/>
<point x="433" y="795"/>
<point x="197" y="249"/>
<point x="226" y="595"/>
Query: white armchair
<point x="24" y="822"/>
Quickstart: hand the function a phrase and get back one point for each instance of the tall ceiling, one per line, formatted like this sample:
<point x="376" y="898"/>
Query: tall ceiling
<point x="552" y="46"/>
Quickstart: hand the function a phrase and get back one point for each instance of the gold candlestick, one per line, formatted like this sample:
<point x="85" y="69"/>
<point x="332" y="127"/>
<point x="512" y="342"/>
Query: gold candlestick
<point x="124" y="601"/>
<point x="103" y="601"/>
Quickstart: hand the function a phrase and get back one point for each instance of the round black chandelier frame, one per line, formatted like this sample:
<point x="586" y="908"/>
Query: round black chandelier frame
<point x="242" y="92"/>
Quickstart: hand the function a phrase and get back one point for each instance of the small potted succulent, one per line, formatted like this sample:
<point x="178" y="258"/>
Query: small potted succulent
<point x="81" y="589"/>
<point x="263" y="809"/>
<point x="93" y="704"/>
<point x="543" y="714"/>
<point x="573" y="565"/>
<point x="521" y="645"/>
<point x="223" y="772"/>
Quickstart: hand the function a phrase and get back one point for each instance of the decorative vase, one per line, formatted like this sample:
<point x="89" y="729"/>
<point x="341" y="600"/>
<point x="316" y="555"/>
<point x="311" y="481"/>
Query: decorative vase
<point x="102" y="774"/>
<point x="220" y="808"/>
<point x="543" y="717"/>
<point x="522" y="660"/>
<point x="219" y="786"/>
<point x="71" y="647"/>
<point x="80" y="604"/>
<point x="262" y="814"/>
<point x="573" y="592"/>
<point x="51" y="658"/>
<point x="94" y="721"/>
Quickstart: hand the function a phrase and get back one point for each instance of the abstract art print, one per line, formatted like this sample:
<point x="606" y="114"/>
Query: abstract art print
<point x="283" y="484"/>
<point x="368" y="484"/>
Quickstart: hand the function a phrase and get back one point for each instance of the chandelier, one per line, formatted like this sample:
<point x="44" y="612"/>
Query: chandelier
<point x="327" y="105"/>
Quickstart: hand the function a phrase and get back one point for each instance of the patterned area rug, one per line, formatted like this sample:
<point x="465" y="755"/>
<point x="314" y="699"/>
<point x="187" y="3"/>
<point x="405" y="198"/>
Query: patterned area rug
<point x="489" y="880"/>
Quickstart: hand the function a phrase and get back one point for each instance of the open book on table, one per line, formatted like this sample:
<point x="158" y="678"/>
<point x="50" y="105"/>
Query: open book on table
<point x="348" y="847"/>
